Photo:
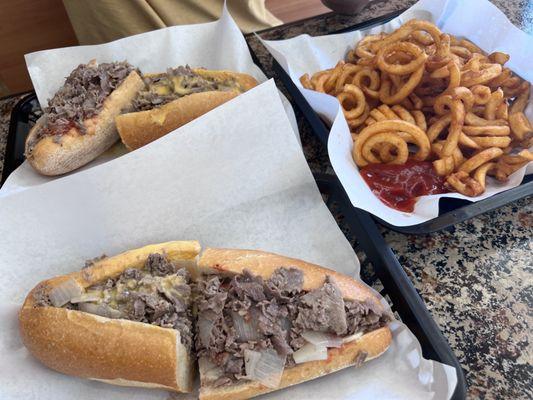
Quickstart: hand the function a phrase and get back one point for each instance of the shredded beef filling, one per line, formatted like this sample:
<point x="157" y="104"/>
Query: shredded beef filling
<point x="234" y="314"/>
<point x="274" y="312"/>
<point x="177" y="82"/>
<point x="158" y="294"/>
<point x="82" y="95"/>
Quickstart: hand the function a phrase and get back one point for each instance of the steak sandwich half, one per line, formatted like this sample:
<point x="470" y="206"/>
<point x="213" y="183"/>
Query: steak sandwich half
<point x="176" y="97"/>
<point x="256" y="321"/>
<point x="124" y="320"/>
<point x="79" y="123"/>
<point x="265" y="322"/>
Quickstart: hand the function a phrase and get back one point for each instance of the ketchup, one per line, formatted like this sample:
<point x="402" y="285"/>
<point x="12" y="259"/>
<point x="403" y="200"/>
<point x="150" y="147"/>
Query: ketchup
<point x="58" y="128"/>
<point x="398" y="186"/>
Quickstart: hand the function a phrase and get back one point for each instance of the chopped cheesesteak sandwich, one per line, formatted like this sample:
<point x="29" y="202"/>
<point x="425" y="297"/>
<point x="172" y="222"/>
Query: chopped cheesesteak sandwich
<point x="255" y="321"/>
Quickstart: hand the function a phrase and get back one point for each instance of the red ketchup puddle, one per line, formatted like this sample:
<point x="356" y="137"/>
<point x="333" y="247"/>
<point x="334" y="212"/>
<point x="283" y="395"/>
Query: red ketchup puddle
<point x="398" y="186"/>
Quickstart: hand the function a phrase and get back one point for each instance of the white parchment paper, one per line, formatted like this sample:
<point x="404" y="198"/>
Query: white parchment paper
<point x="227" y="179"/>
<point x="478" y="20"/>
<point x="214" y="45"/>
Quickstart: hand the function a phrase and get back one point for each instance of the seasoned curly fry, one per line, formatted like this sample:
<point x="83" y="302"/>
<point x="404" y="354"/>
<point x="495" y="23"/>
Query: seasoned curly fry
<point x="481" y="173"/>
<point x="464" y="184"/>
<point x="356" y="97"/>
<point x="520" y="125"/>
<point x="420" y="94"/>
<point x="412" y="133"/>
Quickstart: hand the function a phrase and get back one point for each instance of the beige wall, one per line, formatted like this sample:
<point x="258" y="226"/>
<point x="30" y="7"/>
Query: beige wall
<point x="30" y="25"/>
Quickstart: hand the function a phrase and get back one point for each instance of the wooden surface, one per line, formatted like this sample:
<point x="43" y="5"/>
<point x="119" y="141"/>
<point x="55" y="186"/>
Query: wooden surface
<point x="294" y="10"/>
<point x="26" y="26"/>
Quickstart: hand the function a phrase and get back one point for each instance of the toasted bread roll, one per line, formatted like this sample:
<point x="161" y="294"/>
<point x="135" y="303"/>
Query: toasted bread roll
<point x="139" y="128"/>
<point x="235" y="261"/>
<point x="116" y="351"/>
<point x="59" y="154"/>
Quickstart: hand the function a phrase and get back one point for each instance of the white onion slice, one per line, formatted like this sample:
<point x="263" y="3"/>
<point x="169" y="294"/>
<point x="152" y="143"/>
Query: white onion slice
<point x="322" y="339"/>
<point x="352" y="338"/>
<point x="310" y="352"/>
<point x="265" y="367"/>
<point x="64" y="292"/>
<point x="246" y="331"/>
<point x="250" y="361"/>
<point x="209" y="371"/>
<point x="102" y="310"/>
<point x="86" y="297"/>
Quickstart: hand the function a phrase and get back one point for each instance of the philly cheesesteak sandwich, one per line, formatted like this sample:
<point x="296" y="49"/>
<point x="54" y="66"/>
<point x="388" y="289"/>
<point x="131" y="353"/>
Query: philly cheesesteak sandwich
<point x="255" y="321"/>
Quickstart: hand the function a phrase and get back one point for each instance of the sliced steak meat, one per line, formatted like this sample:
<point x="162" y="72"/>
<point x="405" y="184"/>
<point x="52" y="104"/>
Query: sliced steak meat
<point x="365" y="317"/>
<point x="159" y="265"/>
<point x="177" y="82"/>
<point x="41" y="297"/>
<point x="82" y="95"/>
<point x="90" y="262"/>
<point x="249" y="286"/>
<point x="212" y="297"/>
<point x="285" y="282"/>
<point x="139" y="309"/>
<point x="322" y="310"/>
<point x="131" y="273"/>
<point x="247" y="312"/>
<point x="157" y="294"/>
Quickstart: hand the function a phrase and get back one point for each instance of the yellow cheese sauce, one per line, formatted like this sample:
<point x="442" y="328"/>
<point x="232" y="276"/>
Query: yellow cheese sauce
<point x="182" y="81"/>
<point x="148" y="284"/>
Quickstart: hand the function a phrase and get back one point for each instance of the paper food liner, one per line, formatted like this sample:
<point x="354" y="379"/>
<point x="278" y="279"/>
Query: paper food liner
<point x="227" y="179"/>
<point x="214" y="45"/>
<point x="478" y="20"/>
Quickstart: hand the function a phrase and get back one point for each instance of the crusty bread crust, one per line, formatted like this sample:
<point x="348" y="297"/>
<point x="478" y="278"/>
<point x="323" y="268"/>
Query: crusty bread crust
<point x="373" y="343"/>
<point x="234" y="261"/>
<point x="137" y="129"/>
<point x="53" y="155"/>
<point x="90" y="346"/>
<point x="117" y="351"/>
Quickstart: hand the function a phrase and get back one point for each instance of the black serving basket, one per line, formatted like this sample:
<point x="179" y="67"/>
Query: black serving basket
<point x="24" y="115"/>
<point x="451" y="211"/>
<point x="380" y="268"/>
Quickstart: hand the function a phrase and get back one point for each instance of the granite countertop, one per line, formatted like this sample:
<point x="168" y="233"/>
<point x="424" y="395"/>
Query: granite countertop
<point x="476" y="278"/>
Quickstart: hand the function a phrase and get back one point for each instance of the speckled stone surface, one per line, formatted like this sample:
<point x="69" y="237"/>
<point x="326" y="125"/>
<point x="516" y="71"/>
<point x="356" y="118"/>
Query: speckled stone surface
<point x="476" y="278"/>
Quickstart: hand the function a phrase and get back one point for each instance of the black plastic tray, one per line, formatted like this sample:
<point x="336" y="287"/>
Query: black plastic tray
<point x="378" y="262"/>
<point x="381" y="263"/>
<point x="451" y="211"/>
<point x="24" y="115"/>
